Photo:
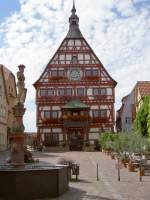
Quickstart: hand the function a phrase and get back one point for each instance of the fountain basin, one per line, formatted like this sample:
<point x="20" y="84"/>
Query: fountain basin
<point x="33" y="182"/>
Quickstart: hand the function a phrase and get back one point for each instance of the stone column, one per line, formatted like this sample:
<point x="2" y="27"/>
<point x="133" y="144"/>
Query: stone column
<point x="17" y="136"/>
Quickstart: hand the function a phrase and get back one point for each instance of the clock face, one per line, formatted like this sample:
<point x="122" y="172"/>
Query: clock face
<point x="74" y="74"/>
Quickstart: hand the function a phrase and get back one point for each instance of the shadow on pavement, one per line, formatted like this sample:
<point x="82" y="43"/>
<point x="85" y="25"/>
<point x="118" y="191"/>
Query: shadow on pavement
<point x="44" y="155"/>
<point x="78" y="194"/>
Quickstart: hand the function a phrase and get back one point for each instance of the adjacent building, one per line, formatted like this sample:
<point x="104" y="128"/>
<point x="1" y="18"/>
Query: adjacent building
<point x="131" y="104"/>
<point x="11" y="95"/>
<point x="8" y="95"/>
<point x="3" y="111"/>
<point x="75" y="94"/>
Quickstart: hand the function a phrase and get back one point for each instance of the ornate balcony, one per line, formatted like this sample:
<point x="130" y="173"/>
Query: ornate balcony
<point x="74" y="124"/>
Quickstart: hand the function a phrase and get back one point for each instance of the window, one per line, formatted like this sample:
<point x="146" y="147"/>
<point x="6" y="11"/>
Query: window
<point x="95" y="113"/>
<point x="50" y="92"/>
<point x="54" y="114"/>
<point x="74" y="60"/>
<point x="91" y="72"/>
<point x="88" y="72"/>
<point x="128" y="120"/>
<point x="103" y="113"/>
<point x="42" y="92"/>
<point x="99" y="113"/>
<point x="103" y="91"/>
<point x="99" y="91"/>
<point x="61" y="91"/>
<point x="50" y="114"/>
<point x="61" y="73"/>
<point x="95" y="72"/>
<point x="55" y="73"/>
<point x="47" y="114"/>
<point x="95" y="91"/>
<point x="80" y="91"/>
<point x="69" y="91"/>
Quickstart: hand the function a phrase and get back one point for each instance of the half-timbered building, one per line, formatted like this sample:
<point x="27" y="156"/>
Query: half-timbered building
<point x="75" y="94"/>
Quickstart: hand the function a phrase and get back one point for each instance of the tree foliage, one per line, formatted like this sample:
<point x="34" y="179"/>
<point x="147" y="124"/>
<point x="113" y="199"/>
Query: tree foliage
<point x="142" y="121"/>
<point x="124" y="142"/>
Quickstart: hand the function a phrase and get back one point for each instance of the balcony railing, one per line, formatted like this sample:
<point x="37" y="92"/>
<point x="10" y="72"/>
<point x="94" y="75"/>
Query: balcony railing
<point x="74" y="124"/>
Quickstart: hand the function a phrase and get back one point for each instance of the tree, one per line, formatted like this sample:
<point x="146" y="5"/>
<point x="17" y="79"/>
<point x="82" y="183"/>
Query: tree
<point x="106" y="140"/>
<point x="142" y="121"/>
<point x="148" y="121"/>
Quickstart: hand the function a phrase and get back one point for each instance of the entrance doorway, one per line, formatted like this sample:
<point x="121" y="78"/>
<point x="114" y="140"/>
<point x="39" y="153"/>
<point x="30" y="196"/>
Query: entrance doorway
<point x="76" y="139"/>
<point x="51" y="139"/>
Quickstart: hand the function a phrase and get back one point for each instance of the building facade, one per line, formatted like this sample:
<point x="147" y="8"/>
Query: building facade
<point x="3" y="111"/>
<point x="75" y="94"/>
<point x="131" y="104"/>
<point x="11" y="95"/>
<point x="8" y="96"/>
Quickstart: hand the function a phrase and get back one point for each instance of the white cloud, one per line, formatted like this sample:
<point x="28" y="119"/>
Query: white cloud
<point x="117" y="31"/>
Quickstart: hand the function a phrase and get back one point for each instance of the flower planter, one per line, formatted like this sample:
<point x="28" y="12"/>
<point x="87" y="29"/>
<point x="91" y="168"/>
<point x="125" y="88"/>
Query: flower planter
<point x="131" y="167"/>
<point x="142" y="171"/>
<point x="112" y="156"/>
<point x="125" y="162"/>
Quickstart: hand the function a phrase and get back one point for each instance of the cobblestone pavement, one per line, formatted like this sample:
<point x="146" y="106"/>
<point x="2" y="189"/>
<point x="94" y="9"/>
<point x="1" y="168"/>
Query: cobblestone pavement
<point x="108" y="187"/>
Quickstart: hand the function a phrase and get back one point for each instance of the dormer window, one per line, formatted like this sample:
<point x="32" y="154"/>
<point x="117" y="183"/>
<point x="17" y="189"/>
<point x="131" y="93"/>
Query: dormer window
<point x="74" y="60"/>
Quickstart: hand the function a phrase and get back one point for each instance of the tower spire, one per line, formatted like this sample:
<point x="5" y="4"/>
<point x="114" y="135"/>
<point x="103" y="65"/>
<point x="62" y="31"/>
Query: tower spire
<point x="73" y="8"/>
<point x="74" y="31"/>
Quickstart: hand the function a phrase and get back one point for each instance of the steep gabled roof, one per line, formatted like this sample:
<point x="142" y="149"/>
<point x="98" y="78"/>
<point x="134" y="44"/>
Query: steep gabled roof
<point x="74" y="33"/>
<point x="144" y="88"/>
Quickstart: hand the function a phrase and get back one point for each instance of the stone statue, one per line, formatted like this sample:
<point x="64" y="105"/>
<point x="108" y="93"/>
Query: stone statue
<point x="22" y="91"/>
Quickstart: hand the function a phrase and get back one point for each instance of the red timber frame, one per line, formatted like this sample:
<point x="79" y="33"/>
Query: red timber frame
<point x="85" y="60"/>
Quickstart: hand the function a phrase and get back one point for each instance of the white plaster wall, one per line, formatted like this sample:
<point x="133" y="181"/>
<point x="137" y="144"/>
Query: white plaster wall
<point x="109" y="91"/>
<point x="93" y="136"/>
<point x="55" y="107"/>
<point x="94" y="129"/>
<point x="94" y="107"/>
<point x="103" y="107"/>
<point x="56" y="130"/>
<point x="46" y="130"/>
<point x="60" y="137"/>
<point x="127" y="112"/>
<point x="89" y="91"/>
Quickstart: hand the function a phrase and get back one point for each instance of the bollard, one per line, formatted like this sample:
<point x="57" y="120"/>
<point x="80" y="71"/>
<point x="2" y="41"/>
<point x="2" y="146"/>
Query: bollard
<point x="118" y="170"/>
<point x="97" y="173"/>
<point x="140" y="174"/>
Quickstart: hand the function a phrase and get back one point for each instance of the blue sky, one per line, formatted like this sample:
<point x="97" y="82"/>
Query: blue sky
<point x="8" y="7"/>
<point x="117" y="30"/>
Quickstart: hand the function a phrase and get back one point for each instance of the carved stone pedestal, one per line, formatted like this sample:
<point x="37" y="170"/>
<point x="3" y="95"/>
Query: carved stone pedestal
<point x="17" y="149"/>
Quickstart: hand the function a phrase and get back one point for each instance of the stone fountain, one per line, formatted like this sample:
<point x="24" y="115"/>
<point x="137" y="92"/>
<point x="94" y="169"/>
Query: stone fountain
<point x="20" y="181"/>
